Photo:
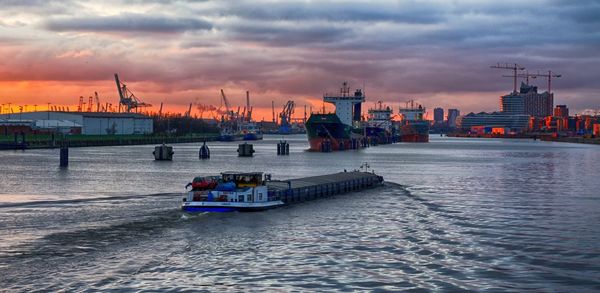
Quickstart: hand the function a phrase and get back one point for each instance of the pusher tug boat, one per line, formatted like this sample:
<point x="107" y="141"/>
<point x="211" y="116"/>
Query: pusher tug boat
<point x="233" y="191"/>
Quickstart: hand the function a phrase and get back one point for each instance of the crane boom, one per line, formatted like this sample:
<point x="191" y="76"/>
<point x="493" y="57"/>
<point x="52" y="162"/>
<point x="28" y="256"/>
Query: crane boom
<point x="514" y="67"/>
<point x="127" y="98"/>
<point x="225" y="101"/>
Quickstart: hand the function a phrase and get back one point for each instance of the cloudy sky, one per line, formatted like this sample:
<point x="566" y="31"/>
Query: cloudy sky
<point x="436" y="52"/>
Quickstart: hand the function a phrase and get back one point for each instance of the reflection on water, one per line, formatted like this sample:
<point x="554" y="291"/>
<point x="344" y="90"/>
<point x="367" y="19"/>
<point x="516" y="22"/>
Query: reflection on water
<point x="499" y="215"/>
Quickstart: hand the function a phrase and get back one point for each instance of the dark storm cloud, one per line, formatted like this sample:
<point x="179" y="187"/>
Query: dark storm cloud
<point x="288" y="35"/>
<point x="128" y="23"/>
<point x="401" y="11"/>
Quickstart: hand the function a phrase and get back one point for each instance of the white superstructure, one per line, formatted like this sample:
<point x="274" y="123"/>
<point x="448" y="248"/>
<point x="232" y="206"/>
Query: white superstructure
<point x="347" y="107"/>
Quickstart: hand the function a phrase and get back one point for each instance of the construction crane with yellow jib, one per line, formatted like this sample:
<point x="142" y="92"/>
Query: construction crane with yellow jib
<point x="127" y="98"/>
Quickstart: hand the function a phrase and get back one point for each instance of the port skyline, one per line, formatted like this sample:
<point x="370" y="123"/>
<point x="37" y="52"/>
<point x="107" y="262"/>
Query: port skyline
<point x="60" y="57"/>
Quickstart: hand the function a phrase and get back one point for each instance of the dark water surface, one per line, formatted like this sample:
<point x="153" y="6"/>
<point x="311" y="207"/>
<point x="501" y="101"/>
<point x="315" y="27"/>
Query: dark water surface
<point x="456" y="214"/>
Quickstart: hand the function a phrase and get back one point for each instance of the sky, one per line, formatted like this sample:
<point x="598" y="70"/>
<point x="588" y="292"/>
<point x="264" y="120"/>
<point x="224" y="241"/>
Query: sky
<point x="178" y="52"/>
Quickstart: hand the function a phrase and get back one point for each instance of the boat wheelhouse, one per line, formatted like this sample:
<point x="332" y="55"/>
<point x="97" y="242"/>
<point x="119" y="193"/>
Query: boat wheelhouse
<point x="235" y="191"/>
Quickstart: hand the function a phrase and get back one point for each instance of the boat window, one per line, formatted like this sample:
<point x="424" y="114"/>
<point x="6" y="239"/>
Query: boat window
<point x="241" y="198"/>
<point x="260" y="196"/>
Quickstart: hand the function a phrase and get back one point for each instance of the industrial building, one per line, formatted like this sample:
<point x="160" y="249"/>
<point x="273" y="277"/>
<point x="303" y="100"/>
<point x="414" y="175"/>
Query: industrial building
<point x="90" y="123"/>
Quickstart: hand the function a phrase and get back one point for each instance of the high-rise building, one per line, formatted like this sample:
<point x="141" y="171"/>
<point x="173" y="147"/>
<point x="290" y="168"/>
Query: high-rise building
<point x="561" y="111"/>
<point x="528" y="101"/>
<point x="452" y="115"/>
<point x="438" y="115"/>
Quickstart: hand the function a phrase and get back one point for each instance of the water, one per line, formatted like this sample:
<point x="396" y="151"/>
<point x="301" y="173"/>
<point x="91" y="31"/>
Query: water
<point x="456" y="214"/>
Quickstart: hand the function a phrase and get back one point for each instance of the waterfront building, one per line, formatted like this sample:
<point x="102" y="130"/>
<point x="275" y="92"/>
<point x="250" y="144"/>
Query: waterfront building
<point x="528" y="101"/>
<point x="516" y="123"/>
<point x="512" y="104"/>
<point x="90" y="123"/>
<point x="438" y="115"/>
<point x="452" y="115"/>
<point x="561" y="111"/>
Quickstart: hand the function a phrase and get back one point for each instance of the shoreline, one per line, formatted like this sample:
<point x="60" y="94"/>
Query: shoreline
<point x="542" y="137"/>
<point x="93" y="141"/>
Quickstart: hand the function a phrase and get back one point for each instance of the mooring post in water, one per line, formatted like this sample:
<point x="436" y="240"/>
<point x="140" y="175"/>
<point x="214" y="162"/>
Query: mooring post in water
<point x="64" y="154"/>
<point x="23" y="141"/>
<point x="245" y="150"/>
<point x="204" y="151"/>
<point x="283" y="148"/>
<point x="163" y="152"/>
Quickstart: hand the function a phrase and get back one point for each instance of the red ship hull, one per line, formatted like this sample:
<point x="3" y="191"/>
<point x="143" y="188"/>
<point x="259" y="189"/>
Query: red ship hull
<point x="414" y="138"/>
<point x="316" y="144"/>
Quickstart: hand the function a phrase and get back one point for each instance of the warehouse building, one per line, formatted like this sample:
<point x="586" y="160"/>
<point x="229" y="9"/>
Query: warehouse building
<point x="92" y="123"/>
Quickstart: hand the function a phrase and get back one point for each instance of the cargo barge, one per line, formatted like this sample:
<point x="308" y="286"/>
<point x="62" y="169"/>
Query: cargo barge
<point x="255" y="191"/>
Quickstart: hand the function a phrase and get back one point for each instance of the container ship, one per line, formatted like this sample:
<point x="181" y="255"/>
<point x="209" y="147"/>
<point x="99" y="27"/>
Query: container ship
<point x="340" y="130"/>
<point x="413" y="127"/>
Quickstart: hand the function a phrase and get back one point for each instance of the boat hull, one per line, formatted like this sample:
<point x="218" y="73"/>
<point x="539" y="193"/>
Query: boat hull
<point x="253" y="136"/>
<point x="223" y="207"/>
<point x="327" y="133"/>
<point x="231" y="137"/>
<point x="414" y="132"/>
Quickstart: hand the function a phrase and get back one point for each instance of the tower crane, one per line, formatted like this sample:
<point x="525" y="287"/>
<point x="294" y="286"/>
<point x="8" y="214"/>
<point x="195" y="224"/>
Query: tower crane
<point x="549" y="75"/>
<point x="127" y="98"/>
<point x="514" y="67"/>
<point x="525" y="75"/>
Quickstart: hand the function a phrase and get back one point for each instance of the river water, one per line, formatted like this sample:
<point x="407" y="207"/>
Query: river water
<point x="456" y="214"/>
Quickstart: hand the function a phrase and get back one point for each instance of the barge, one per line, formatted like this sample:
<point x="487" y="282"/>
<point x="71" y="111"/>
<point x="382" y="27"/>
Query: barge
<point x="255" y="191"/>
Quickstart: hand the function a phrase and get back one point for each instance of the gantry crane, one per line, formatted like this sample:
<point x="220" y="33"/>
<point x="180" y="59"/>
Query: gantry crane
<point x="127" y="98"/>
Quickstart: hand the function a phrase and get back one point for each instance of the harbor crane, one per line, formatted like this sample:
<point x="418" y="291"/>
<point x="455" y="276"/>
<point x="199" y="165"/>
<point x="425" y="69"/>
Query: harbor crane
<point x="228" y="112"/>
<point x="514" y="67"/>
<point x="248" y="107"/>
<point x="188" y="113"/>
<point x="127" y="98"/>
<point x="97" y="102"/>
<point x="81" y="104"/>
<point x="285" y="117"/>
<point x="90" y="104"/>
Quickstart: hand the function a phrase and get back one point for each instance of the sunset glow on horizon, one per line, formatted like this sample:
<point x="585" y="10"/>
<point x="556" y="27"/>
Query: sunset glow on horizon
<point x="182" y="52"/>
